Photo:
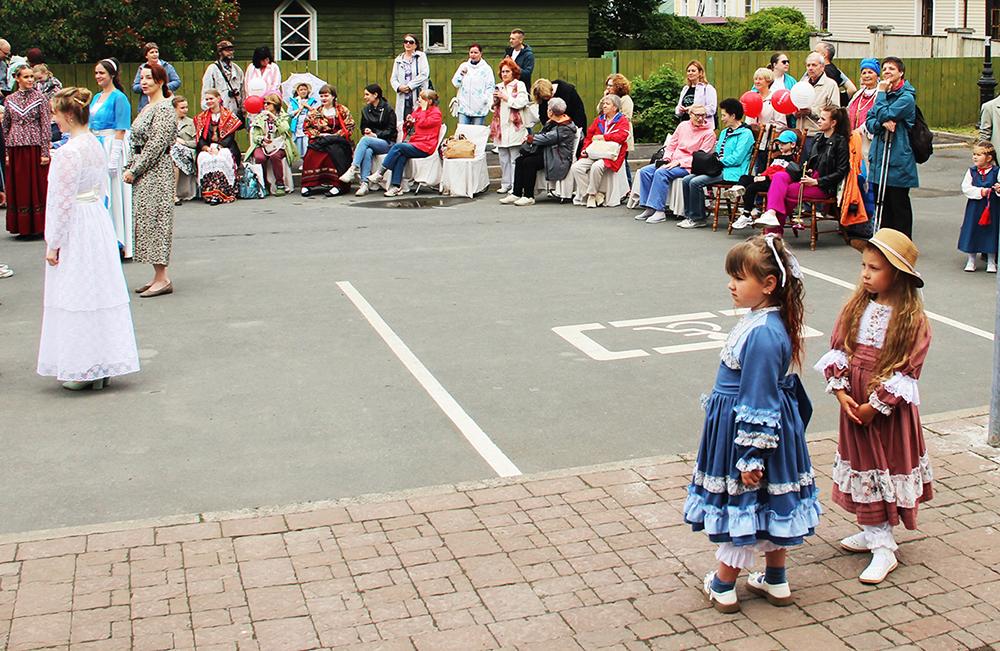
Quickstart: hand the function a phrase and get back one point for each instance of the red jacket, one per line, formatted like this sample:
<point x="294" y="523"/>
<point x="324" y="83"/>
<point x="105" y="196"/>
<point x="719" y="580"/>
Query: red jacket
<point x="426" y="129"/>
<point x="616" y="132"/>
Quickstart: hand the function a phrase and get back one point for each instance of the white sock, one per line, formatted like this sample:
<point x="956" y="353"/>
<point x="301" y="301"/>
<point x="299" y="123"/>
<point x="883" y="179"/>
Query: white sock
<point x="659" y="214"/>
<point x="648" y="212"/>
<point x="991" y="258"/>
<point x="972" y="259"/>
<point x="880" y="537"/>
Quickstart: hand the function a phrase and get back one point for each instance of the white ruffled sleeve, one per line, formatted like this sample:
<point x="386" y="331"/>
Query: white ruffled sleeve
<point x="60" y="202"/>
<point x="834" y="365"/>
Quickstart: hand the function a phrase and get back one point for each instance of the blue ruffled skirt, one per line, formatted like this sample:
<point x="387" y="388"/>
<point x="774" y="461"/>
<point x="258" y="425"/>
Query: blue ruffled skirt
<point x="784" y="507"/>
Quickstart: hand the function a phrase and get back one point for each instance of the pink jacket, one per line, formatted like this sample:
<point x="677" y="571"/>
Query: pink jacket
<point x="427" y="128"/>
<point x="686" y="140"/>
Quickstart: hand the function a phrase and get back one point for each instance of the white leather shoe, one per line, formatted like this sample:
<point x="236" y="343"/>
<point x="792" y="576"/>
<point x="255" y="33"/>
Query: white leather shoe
<point x="724" y="602"/>
<point x="777" y="595"/>
<point x="349" y="175"/>
<point x="856" y="543"/>
<point x="525" y="201"/>
<point x="767" y="219"/>
<point x="509" y="198"/>
<point x="883" y="562"/>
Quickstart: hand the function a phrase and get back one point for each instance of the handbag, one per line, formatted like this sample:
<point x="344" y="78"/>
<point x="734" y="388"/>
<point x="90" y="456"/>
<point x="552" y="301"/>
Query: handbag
<point x="794" y="171"/>
<point x="459" y="147"/>
<point x="657" y="158"/>
<point x="607" y="149"/>
<point x="250" y="184"/>
<point x="529" y="116"/>
<point x="453" y="106"/>
<point x="706" y="163"/>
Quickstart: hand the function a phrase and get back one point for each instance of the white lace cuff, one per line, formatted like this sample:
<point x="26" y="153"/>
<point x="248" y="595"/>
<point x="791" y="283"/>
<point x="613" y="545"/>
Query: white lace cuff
<point x="748" y="465"/>
<point x="880" y="406"/>
<point x="759" y="440"/>
<point x="904" y="387"/>
<point x="832" y="357"/>
<point x="838" y="383"/>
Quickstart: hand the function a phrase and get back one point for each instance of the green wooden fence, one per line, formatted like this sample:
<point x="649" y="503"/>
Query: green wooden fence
<point x="946" y="88"/>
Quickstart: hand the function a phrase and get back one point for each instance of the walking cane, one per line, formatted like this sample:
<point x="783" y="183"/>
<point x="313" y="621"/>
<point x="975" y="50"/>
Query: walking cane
<point x="883" y="177"/>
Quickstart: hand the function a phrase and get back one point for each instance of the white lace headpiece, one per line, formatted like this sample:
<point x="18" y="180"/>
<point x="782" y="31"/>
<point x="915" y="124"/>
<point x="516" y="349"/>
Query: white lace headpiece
<point x="793" y="262"/>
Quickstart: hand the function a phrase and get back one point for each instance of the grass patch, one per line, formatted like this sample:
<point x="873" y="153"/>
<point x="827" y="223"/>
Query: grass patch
<point x="970" y="130"/>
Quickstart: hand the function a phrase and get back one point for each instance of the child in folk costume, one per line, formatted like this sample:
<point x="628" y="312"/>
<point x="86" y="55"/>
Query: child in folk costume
<point x="980" y="227"/>
<point x="881" y="472"/>
<point x="753" y="487"/>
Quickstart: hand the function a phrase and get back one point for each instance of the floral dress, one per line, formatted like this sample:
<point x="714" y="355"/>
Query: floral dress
<point x="153" y="133"/>
<point x="881" y="472"/>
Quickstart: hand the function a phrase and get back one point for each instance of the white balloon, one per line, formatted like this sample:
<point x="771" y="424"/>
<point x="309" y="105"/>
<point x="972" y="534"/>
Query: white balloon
<point x="803" y="94"/>
<point x="256" y="87"/>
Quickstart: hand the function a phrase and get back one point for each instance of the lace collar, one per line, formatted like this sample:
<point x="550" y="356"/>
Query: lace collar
<point x="737" y="336"/>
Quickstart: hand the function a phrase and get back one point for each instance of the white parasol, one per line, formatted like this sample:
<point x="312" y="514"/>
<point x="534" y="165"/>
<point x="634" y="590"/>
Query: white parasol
<point x="294" y="79"/>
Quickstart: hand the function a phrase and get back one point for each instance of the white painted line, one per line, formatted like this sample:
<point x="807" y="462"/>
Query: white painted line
<point x="657" y="320"/>
<point x="482" y="443"/>
<point x="574" y="335"/>
<point x="933" y="316"/>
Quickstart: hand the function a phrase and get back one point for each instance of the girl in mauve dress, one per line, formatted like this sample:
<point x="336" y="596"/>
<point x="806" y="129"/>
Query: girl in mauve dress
<point x="881" y="472"/>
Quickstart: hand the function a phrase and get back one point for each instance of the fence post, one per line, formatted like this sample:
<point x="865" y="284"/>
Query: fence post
<point x="613" y="55"/>
<point x="878" y="39"/>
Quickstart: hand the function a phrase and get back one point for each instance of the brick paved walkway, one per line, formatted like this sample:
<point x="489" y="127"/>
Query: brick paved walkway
<point x="596" y="558"/>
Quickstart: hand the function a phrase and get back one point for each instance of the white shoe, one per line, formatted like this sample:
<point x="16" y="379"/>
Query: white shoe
<point x="692" y="223"/>
<point x="991" y="267"/>
<point x="525" y="201"/>
<point x="6" y="272"/>
<point x="770" y="218"/>
<point x="856" y="543"/>
<point x="743" y="221"/>
<point x="971" y="266"/>
<point x="394" y="191"/>
<point x="349" y="174"/>
<point x="591" y="201"/>
<point x="645" y="214"/>
<point x="657" y="217"/>
<point x="883" y="562"/>
<point x="362" y="189"/>
<point x="509" y="198"/>
<point x="503" y="190"/>
<point x="734" y="192"/>
<point x="599" y="198"/>
<point x="724" y="602"/>
<point x="375" y="178"/>
<point x="755" y="213"/>
<point x="777" y="595"/>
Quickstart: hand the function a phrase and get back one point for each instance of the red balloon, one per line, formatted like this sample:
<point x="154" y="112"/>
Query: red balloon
<point x="254" y="104"/>
<point x="752" y="104"/>
<point x="781" y="100"/>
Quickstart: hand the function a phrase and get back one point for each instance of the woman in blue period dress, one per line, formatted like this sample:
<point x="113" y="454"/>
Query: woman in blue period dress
<point x="752" y="488"/>
<point x="87" y="334"/>
<point x="110" y="121"/>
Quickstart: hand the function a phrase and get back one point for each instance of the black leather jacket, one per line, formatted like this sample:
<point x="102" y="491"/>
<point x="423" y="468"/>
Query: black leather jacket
<point x="381" y="119"/>
<point x="830" y="157"/>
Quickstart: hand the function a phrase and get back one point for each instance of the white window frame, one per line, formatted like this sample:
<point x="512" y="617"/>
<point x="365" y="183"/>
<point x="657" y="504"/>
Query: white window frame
<point x="437" y="22"/>
<point x="313" y="20"/>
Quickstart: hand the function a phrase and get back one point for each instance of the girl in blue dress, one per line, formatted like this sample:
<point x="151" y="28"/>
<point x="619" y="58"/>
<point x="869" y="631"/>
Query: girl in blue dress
<point x="981" y="226"/>
<point x="111" y="121"/>
<point x="753" y="487"/>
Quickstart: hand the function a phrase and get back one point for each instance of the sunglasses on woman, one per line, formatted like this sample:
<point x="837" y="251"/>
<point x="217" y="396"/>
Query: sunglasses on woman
<point x="409" y="42"/>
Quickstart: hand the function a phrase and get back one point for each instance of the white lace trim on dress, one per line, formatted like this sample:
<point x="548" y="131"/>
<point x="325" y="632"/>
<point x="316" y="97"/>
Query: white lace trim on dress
<point x="759" y="440"/>
<point x="876" y="485"/>
<point x="737" y="336"/>
<point x="832" y="357"/>
<point x="904" y="387"/>
<point x="743" y="557"/>
<point x="220" y="162"/>
<point x="749" y="465"/>
<point x="882" y="408"/>
<point x="874" y="323"/>
<point x="838" y="383"/>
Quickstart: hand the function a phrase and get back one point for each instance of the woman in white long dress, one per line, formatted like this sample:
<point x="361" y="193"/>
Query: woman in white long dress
<point x="87" y="334"/>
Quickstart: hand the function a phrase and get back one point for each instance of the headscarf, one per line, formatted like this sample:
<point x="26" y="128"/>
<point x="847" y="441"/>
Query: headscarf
<point x="871" y="64"/>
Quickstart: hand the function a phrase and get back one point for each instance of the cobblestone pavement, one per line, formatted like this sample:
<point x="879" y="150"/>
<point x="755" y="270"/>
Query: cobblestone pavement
<point x="593" y="558"/>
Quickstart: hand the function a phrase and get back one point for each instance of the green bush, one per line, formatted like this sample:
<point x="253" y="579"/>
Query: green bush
<point x="780" y="28"/>
<point x="655" y="98"/>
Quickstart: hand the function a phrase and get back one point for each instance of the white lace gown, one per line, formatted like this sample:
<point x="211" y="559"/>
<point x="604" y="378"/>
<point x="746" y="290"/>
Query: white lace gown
<point x="87" y="329"/>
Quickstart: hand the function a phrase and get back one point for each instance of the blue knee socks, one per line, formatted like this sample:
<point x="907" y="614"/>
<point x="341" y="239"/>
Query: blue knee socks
<point x="774" y="575"/>
<point x="721" y="586"/>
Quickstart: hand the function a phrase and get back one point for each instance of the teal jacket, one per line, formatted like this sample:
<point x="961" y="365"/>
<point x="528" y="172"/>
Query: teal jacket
<point x="899" y="106"/>
<point x="734" y="148"/>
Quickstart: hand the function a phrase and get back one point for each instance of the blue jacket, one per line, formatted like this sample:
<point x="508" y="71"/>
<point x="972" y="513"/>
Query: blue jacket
<point x="173" y="82"/>
<point x="525" y="61"/>
<point x="734" y="152"/>
<point x="900" y="106"/>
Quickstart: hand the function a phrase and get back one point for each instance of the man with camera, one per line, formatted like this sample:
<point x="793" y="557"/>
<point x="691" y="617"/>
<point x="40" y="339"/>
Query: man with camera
<point x="226" y="77"/>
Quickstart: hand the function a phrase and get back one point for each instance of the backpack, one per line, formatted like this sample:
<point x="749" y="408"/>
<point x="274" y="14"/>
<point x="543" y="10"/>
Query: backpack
<point x="921" y="138"/>
<point x="250" y="184"/>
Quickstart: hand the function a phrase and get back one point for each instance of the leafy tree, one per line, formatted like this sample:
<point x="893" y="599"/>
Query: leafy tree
<point x="612" y="20"/>
<point x="74" y="31"/>
<point x="779" y="28"/>
<point x="653" y="117"/>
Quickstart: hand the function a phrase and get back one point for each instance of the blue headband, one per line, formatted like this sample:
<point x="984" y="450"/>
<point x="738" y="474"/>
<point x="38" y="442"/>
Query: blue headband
<point x="871" y="64"/>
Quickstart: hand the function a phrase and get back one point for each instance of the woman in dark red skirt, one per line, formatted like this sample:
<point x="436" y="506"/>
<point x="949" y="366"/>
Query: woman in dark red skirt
<point x="329" y="128"/>
<point x="26" y="120"/>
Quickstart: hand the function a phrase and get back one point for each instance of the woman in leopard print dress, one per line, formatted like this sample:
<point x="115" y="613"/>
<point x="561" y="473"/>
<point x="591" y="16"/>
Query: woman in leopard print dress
<point x="151" y="173"/>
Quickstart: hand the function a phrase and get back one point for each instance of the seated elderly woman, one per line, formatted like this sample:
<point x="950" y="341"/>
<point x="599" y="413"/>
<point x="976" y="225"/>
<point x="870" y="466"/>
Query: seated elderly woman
<point x="426" y="123"/>
<point x="271" y="141"/>
<point x="734" y="149"/>
<point x="690" y="136"/>
<point x="551" y="150"/>
<point x="588" y="171"/>
<point x="217" y="150"/>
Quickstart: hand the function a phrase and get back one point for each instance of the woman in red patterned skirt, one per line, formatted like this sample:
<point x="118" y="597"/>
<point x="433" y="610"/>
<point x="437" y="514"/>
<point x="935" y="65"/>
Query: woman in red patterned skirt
<point x="26" y="129"/>
<point x="218" y="153"/>
<point x="329" y="127"/>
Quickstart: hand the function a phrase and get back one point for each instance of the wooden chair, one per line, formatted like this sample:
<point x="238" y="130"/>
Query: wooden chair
<point x="717" y="188"/>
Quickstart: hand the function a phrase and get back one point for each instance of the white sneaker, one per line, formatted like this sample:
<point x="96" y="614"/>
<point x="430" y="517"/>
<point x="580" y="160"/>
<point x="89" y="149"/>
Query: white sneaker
<point x="755" y="213"/>
<point x="503" y="190"/>
<point x="599" y="198"/>
<point x="991" y="267"/>
<point x="6" y="272"/>
<point x="375" y="178"/>
<point x="657" y="217"/>
<point x="394" y="191"/>
<point x="692" y="223"/>
<point x="362" y="189"/>
<point x="743" y="221"/>
<point x="510" y="198"/>
<point x="644" y="215"/>
<point x="591" y="201"/>
<point x="770" y="218"/>
<point x="777" y="595"/>
<point x="856" y="543"/>
<point x="724" y="602"/>
<point x="349" y="174"/>
<point x="883" y="562"/>
<point x="734" y="192"/>
<point x="971" y="265"/>
<point x="525" y="201"/>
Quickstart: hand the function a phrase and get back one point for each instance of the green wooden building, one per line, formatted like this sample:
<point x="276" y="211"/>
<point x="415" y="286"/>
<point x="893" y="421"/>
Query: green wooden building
<point x="322" y="29"/>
